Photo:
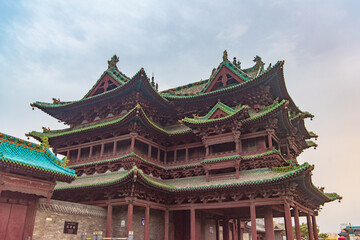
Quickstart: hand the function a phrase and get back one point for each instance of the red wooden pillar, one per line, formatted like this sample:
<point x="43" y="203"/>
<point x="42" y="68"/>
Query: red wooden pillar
<point x="78" y="154"/>
<point x="226" y="228"/>
<point x="310" y="228"/>
<point x="297" y="223"/>
<point x="253" y="221"/>
<point x="130" y="217"/>
<point x="114" y="148"/>
<point x="269" y="224"/>
<point x="158" y="155"/>
<point x="166" y="224"/>
<point x="207" y="150"/>
<point x="239" y="229"/>
<point x="90" y="152"/>
<point x="316" y="234"/>
<point x="108" y="220"/>
<point x="233" y="230"/>
<point x="30" y="218"/>
<point x="102" y="150"/>
<point x="217" y="229"/>
<point x="192" y="224"/>
<point x="270" y="141"/>
<point x="149" y="151"/>
<point x="175" y="155"/>
<point x="147" y="220"/>
<point x="288" y="224"/>
<point x="198" y="225"/>
<point x="236" y="229"/>
<point x="132" y="144"/>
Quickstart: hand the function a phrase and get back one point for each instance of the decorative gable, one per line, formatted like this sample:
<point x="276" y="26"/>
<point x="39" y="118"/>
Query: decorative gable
<point x="218" y="114"/>
<point x="105" y="84"/>
<point x="223" y="78"/>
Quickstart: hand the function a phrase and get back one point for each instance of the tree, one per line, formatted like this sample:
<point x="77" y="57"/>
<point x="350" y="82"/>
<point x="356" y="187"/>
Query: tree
<point x="304" y="232"/>
<point x="323" y="236"/>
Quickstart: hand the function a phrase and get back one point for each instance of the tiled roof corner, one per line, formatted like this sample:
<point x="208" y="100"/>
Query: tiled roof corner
<point x="16" y="152"/>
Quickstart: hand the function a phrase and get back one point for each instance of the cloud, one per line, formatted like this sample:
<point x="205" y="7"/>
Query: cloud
<point x="232" y="33"/>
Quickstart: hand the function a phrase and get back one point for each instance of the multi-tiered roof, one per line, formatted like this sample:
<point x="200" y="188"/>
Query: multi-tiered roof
<point x="238" y="129"/>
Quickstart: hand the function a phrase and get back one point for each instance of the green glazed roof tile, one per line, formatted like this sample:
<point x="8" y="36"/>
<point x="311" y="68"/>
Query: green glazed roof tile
<point x="17" y="152"/>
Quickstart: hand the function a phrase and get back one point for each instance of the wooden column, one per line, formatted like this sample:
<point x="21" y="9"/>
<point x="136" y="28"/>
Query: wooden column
<point x="147" y="220"/>
<point x="288" y="224"/>
<point x="30" y="218"/>
<point x="186" y="154"/>
<point x="270" y="141"/>
<point x="108" y="220"/>
<point x="310" y="228"/>
<point x="253" y="221"/>
<point x="175" y="151"/>
<point x="90" y="151"/>
<point x="237" y="169"/>
<point x="114" y="148"/>
<point x="236" y="229"/>
<point x="102" y="149"/>
<point x="149" y="151"/>
<point x="239" y="229"/>
<point x="233" y="231"/>
<point x="158" y="155"/>
<point x="297" y="223"/>
<point x="316" y="234"/>
<point x="78" y="155"/>
<point x="166" y="224"/>
<point x="165" y="157"/>
<point x="226" y="228"/>
<point x="269" y="224"/>
<point x="130" y="217"/>
<point x="207" y="150"/>
<point x="217" y="230"/>
<point x="270" y="132"/>
<point x="132" y="144"/>
<point x="198" y="225"/>
<point x="192" y="224"/>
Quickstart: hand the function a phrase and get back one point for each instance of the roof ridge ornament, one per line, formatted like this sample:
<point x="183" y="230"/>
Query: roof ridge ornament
<point x="225" y="56"/>
<point x="112" y="62"/>
<point x="258" y="60"/>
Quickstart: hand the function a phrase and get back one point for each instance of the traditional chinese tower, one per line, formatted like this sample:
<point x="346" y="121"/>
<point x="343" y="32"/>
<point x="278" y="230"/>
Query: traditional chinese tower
<point x="212" y="153"/>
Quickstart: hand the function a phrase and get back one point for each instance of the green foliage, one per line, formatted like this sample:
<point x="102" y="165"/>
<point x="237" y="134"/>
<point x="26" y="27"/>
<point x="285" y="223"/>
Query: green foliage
<point x="323" y="236"/>
<point x="305" y="233"/>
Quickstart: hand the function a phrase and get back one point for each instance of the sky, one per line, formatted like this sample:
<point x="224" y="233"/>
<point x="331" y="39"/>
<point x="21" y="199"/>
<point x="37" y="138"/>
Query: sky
<point x="60" y="48"/>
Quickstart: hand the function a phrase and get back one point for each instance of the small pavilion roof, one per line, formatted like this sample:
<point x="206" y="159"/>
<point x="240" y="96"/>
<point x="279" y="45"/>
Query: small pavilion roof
<point x="230" y="113"/>
<point x="22" y="155"/>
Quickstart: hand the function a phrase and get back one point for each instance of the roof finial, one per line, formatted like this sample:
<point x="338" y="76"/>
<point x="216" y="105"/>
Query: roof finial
<point x="157" y="86"/>
<point x="236" y="62"/>
<point x="113" y="61"/>
<point x="225" y="56"/>
<point x="258" y="60"/>
<point x="152" y="80"/>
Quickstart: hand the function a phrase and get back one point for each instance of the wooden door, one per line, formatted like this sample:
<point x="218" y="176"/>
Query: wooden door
<point x="12" y="221"/>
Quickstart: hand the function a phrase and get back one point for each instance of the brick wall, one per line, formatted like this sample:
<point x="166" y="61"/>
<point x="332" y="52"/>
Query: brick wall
<point x="156" y="228"/>
<point x="49" y="222"/>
